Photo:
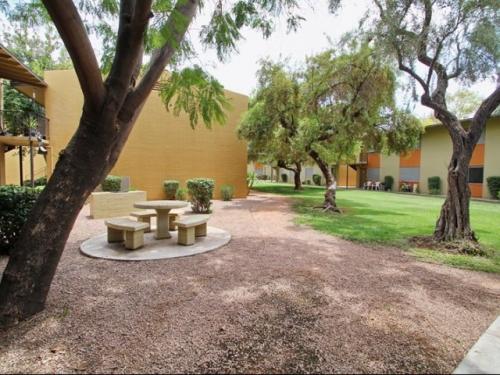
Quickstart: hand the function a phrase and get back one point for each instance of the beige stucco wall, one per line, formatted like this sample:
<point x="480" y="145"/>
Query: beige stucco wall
<point x="12" y="166"/>
<point x="161" y="145"/>
<point x="491" y="153"/>
<point x="389" y="166"/>
<point x="436" y="153"/>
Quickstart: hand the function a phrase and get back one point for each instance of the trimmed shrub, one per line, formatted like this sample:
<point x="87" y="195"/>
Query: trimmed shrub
<point x="316" y="179"/>
<point x="170" y="187"/>
<point x="112" y="183"/>
<point x="388" y="183"/>
<point x="494" y="186"/>
<point x="181" y="194"/>
<point x="41" y="181"/>
<point x="16" y="203"/>
<point x="284" y="177"/>
<point x="434" y="185"/>
<point x="200" y="193"/>
<point x="226" y="192"/>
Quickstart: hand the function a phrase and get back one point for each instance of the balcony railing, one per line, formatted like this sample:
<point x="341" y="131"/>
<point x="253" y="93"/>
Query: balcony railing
<point x="24" y="123"/>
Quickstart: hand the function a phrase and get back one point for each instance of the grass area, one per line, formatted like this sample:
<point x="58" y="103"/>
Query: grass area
<point x="390" y="219"/>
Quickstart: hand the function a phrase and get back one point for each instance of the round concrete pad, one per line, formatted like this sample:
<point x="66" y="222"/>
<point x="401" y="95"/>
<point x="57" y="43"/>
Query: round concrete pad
<point x="98" y="247"/>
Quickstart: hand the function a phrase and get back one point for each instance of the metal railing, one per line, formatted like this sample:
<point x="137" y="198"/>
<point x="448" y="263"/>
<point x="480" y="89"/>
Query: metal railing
<point x="24" y="123"/>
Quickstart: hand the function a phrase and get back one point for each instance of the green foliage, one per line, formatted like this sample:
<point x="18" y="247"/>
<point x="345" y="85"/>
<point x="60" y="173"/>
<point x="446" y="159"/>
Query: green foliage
<point x="181" y="194"/>
<point x="196" y="93"/>
<point x="170" y="187"/>
<point x="316" y="179"/>
<point x="284" y="177"/>
<point x="41" y="181"/>
<point x="15" y="205"/>
<point x="463" y="103"/>
<point x="494" y="186"/>
<point x="434" y="185"/>
<point x="250" y="179"/>
<point x="227" y="192"/>
<point x="201" y="192"/>
<point x="111" y="183"/>
<point x="388" y="182"/>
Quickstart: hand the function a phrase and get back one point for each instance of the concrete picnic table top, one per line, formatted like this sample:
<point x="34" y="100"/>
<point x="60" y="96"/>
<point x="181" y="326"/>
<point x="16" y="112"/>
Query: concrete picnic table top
<point x="161" y="204"/>
<point x="162" y="208"/>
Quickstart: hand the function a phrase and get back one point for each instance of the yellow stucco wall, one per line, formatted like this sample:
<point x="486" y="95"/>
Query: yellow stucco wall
<point x="435" y="156"/>
<point x="161" y="145"/>
<point x="389" y="166"/>
<point x="12" y="167"/>
<point x="491" y="153"/>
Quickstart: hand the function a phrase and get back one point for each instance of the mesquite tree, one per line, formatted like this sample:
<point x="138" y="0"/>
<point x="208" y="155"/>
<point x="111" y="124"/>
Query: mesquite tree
<point x="271" y="124"/>
<point x="348" y="100"/>
<point x="110" y="108"/>
<point x="435" y="42"/>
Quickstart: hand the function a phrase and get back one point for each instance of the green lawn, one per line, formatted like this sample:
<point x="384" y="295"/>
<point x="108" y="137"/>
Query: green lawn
<point x="390" y="219"/>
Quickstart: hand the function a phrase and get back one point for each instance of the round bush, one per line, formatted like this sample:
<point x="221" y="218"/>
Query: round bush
<point x="200" y="192"/>
<point x="494" y="186"/>
<point x="316" y="179"/>
<point x="181" y="194"/>
<point x="284" y="177"/>
<point x="170" y="187"/>
<point x="388" y="182"/>
<point x="227" y="192"/>
<point x="434" y="184"/>
<point x="112" y="184"/>
<point x="16" y="203"/>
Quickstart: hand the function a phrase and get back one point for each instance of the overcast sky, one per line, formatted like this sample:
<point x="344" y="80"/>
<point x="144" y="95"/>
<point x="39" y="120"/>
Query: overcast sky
<point x="239" y="72"/>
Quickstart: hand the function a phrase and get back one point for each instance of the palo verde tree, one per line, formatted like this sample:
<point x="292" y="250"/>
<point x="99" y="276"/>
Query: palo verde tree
<point x="271" y="123"/>
<point x="348" y="100"/>
<point x="436" y="42"/>
<point x="128" y="29"/>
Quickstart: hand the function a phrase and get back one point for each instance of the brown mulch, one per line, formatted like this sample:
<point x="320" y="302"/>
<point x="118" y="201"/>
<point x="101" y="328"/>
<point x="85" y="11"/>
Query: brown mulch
<point x="278" y="298"/>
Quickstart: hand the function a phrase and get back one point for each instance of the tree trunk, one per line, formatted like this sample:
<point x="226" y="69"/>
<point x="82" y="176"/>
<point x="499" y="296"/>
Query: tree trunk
<point x="296" y="176"/>
<point x="33" y="261"/>
<point x="330" y="200"/>
<point x="454" y="219"/>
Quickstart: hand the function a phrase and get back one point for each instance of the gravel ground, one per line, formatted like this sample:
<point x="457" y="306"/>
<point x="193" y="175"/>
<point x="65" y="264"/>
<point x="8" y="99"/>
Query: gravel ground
<point x="278" y="298"/>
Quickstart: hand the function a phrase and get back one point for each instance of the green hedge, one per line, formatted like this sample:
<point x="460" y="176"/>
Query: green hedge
<point x="284" y="177"/>
<point x="181" y="194"/>
<point x="434" y="184"/>
<point x="112" y="183"/>
<point x="388" y="183"/>
<point x="227" y="192"/>
<point x="170" y="187"/>
<point x="16" y="203"/>
<point x="41" y="181"/>
<point x="201" y="192"/>
<point x="494" y="186"/>
<point x="316" y="179"/>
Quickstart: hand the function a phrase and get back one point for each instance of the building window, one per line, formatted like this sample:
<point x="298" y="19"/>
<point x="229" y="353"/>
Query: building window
<point x="476" y="175"/>
<point x="409" y="174"/>
<point x="373" y="174"/>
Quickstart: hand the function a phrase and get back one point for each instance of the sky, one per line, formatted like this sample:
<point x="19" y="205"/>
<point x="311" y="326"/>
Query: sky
<point x="316" y="34"/>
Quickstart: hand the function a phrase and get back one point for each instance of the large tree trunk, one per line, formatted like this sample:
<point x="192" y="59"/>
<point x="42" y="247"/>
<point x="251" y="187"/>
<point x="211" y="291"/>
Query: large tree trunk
<point x="454" y="219"/>
<point x="33" y="261"/>
<point x="296" y="177"/>
<point x="330" y="200"/>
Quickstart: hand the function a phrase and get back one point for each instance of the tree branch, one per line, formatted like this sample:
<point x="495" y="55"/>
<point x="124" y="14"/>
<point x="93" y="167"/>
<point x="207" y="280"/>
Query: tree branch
<point x="178" y="23"/>
<point x="72" y="31"/>
<point x="482" y="114"/>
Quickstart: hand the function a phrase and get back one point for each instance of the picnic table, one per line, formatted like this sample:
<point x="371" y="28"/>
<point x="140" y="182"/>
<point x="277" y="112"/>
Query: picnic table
<point x="162" y="208"/>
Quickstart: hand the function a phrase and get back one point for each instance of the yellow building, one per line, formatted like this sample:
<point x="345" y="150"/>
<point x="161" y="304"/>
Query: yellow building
<point x="432" y="157"/>
<point x="161" y="146"/>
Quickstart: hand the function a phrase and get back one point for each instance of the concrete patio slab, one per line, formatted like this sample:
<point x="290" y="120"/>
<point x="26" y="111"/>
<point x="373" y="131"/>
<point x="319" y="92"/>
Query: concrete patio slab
<point x="98" y="247"/>
<point x="484" y="356"/>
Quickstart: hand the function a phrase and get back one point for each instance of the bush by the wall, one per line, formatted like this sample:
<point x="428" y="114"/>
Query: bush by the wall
<point x="181" y="194"/>
<point x="170" y="187"/>
<point x="388" y="182"/>
<point x="316" y="179"/>
<point x="226" y="192"/>
<point x="112" y="183"/>
<point x="284" y="177"/>
<point x="494" y="186"/>
<point x="40" y="181"/>
<point x="15" y="205"/>
<point x="434" y="184"/>
<point x="201" y="192"/>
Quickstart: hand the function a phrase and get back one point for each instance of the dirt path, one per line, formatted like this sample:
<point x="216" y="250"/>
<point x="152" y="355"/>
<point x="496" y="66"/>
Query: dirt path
<point x="278" y="298"/>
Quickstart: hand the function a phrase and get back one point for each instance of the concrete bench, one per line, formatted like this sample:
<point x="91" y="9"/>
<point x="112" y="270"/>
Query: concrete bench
<point x="133" y="230"/>
<point x="191" y="226"/>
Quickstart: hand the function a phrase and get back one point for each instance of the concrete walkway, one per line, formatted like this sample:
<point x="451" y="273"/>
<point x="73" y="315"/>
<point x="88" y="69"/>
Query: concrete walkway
<point x="484" y="356"/>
